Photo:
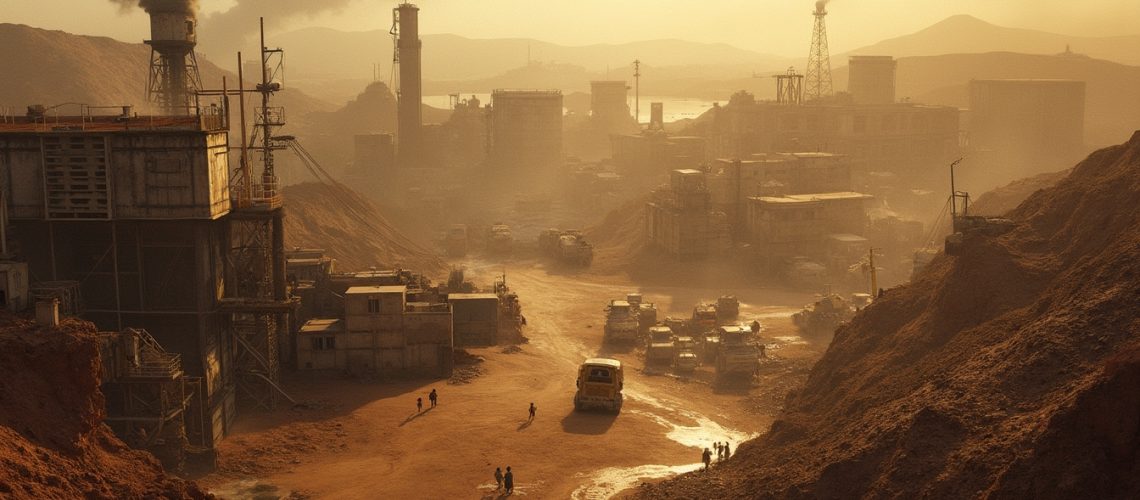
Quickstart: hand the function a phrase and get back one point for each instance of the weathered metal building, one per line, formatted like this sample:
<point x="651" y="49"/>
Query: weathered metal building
<point x="526" y="129"/>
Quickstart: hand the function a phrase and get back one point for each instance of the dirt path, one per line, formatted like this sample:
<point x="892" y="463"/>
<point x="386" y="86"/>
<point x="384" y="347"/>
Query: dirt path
<point x="364" y="439"/>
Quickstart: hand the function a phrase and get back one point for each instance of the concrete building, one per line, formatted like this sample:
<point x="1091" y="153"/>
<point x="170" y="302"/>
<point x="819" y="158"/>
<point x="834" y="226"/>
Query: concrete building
<point x="656" y="153"/>
<point x="905" y="138"/>
<point x="475" y="318"/>
<point x="824" y="227"/>
<point x="680" y="220"/>
<point x="1025" y="127"/>
<point x="526" y="130"/>
<point x="609" y="109"/>
<point x="136" y="211"/>
<point x="381" y="333"/>
<point x="871" y="80"/>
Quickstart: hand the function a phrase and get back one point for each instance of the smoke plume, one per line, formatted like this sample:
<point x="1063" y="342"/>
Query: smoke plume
<point x="224" y="32"/>
<point x="153" y="6"/>
<point x="820" y="4"/>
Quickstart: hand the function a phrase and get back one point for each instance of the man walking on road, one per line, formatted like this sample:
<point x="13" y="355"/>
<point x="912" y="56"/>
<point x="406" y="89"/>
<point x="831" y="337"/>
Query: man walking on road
<point x="532" y="410"/>
<point x="433" y="398"/>
<point x="509" y="480"/>
<point x="727" y="451"/>
<point x="706" y="457"/>
<point x="498" y="478"/>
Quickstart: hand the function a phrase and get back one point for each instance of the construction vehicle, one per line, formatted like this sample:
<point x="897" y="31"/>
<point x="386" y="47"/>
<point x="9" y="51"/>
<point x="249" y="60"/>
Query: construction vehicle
<point x="456" y="241"/>
<point x="659" y="348"/>
<point x="678" y="325"/>
<point x="685" y="355"/>
<point x="708" y="344"/>
<point x="621" y="322"/>
<point x="511" y="319"/>
<point x="736" y="358"/>
<point x="824" y="315"/>
<point x="704" y="318"/>
<point x="499" y="239"/>
<point x="646" y="311"/>
<point x="966" y="225"/>
<point x="600" y="382"/>
<point x="567" y="247"/>
<point x="727" y="309"/>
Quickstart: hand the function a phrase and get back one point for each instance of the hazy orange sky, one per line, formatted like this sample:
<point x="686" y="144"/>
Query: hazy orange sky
<point x="774" y="26"/>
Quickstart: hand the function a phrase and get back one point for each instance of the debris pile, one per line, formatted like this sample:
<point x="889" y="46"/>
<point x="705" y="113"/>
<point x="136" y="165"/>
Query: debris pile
<point x="351" y="229"/>
<point x="53" y="443"/>
<point x="1009" y="370"/>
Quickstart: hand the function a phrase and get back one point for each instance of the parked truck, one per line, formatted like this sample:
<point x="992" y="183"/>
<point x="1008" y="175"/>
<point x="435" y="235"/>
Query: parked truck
<point x="621" y="322"/>
<point x="659" y="348"/>
<point x="600" y="382"/>
<point x="500" y="241"/>
<point x="646" y="311"/>
<point x="727" y="309"/>
<point x="736" y="357"/>
<point x="685" y="355"/>
<point x="823" y="316"/>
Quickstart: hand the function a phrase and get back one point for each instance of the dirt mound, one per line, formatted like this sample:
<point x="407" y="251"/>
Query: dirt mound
<point x="1006" y="198"/>
<point x="1010" y="370"/>
<point x="620" y="237"/>
<point x="351" y="229"/>
<point x="53" y="443"/>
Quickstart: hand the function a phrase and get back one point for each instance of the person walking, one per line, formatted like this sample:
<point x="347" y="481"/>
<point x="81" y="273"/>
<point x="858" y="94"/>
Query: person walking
<point x="498" y="478"/>
<point x="509" y="481"/>
<point x="419" y="405"/>
<point x="706" y="457"/>
<point x="727" y="450"/>
<point x="719" y="450"/>
<point x="532" y="410"/>
<point x="433" y="397"/>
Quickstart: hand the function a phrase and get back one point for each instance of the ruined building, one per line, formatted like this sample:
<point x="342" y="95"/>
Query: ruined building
<point x="681" y="221"/>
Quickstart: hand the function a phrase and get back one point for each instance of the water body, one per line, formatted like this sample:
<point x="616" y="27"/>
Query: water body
<point x="675" y="108"/>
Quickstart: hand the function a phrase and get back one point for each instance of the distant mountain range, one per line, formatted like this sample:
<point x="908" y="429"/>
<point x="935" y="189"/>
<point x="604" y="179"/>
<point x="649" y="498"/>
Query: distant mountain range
<point x="963" y="34"/>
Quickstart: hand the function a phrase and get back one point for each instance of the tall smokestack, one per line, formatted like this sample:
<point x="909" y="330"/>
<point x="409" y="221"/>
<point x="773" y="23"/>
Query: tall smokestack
<point x="406" y="18"/>
<point x="173" y="77"/>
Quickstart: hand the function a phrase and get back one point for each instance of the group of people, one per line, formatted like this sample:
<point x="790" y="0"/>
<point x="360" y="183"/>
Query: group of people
<point x="505" y="482"/>
<point x="433" y="398"/>
<point x="722" y="452"/>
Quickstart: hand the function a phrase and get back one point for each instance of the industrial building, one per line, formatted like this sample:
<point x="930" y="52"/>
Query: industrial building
<point x="408" y="50"/>
<point x="823" y="227"/>
<point x="381" y="333"/>
<point x="680" y="219"/>
<point x="609" y="109"/>
<point x="526" y="130"/>
<point x="655" y="153"/>
<point x="871" y="79"/>
<point x="1026" y="127"/>
<point x="475" y="318"/>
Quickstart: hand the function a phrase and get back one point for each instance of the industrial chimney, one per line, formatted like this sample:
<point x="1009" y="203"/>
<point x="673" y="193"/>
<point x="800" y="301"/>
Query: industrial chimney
<point x="406" y="29"/>
<point x="173" y="77"/>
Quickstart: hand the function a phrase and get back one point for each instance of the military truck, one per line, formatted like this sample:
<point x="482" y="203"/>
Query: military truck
<point x="727" y="309"/>
<point x="684" y="355"/>
<point x="567" y="247"/>
<point x="659" y="347"/>
<point x="646" y="311"/>
<point x="456" y="241"/>
<point x="824" y="315"/>
<point x="600" y="382"/>
<point x="500" y="241"/>
<point x="621" y="322"/>
<point x="736" y="358"/>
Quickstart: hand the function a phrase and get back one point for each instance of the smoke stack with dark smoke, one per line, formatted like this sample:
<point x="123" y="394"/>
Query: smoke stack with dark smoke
<point x="189" y="7"/>
<point x="173" y="78"/>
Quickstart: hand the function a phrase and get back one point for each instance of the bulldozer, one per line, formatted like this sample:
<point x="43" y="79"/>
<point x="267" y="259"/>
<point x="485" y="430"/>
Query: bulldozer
<point x="824" y="315"/>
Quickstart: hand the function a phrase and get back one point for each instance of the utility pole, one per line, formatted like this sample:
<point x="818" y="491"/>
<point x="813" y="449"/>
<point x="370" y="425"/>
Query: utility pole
<point x="874" y="275"/>
<point x="637" y="92"/>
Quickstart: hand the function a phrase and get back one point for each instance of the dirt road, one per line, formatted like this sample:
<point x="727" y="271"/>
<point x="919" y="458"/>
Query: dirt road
<point x="365" y="439"/>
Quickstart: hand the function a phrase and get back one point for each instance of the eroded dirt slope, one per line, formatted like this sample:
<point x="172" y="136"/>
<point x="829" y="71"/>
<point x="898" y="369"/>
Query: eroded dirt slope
<point x="53" y="443"/>
<point x="1010" y="370"/>
<point x="351" y="229"/>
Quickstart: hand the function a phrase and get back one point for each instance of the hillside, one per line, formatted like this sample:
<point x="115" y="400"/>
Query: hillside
<point x="1010" y="370"/>
<point x="53" y="442"/>
<point x="1112" y="92"/>
<point x="351" y="229"/>
<point x="54" y="67"/>
<point x="1003" y="199"/>
<point x="963" y="34"/>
